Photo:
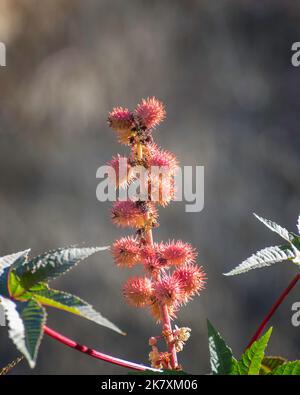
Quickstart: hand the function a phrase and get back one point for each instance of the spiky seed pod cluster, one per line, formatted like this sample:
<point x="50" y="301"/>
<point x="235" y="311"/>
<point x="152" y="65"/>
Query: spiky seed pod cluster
<point x="172" y="289"/>
<point x="130" y="124"/>
<point x="134" y="128"/>
<point x="171" y="277"/>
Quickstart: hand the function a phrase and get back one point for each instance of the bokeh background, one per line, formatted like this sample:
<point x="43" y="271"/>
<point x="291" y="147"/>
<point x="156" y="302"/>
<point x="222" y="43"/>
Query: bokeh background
<point x="224" y="70"/>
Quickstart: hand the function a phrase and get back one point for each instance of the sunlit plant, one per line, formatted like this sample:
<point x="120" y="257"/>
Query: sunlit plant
<point x="24" y="292"/>
<point x="169" y="276"/>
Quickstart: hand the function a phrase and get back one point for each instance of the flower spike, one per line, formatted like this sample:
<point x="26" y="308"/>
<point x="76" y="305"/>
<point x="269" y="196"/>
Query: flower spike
<point x="171" y="277"/>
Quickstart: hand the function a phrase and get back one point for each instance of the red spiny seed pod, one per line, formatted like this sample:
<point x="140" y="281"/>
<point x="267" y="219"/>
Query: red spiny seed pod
<point x="138" y="291"/>
<point x="132" y="214"/>
<point x="168" y="291"/>
<point x="178" y="253"/>
<point x="154" y="265"/>
<point x="162" y="191"/>
<point x="161" y="158"/>
<point x="149" y="251"/>
<point x="126" y="252"/>
<point x="122" y="170"/>
<point x="150" y="112"/>
<point x="122" y="121"/>
<point x="192" y="279"/>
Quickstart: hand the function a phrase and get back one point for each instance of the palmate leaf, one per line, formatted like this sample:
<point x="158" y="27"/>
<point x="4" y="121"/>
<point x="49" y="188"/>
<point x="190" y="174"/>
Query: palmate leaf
<point x="22" y="293"/>
<point x="25" y="326"/>
<point x="263" y="258"/>
<point x="6" y="262"/>
<point x="287" y="369"/>
<point x="51" y="264"/>
<point x="250" y="362"/>
<point x="270" y="363"/>
<point x="70" y="303"/>
<point x="221" y="358"/>
<point x="296" y="251"/>
<point x="282" y="232"/>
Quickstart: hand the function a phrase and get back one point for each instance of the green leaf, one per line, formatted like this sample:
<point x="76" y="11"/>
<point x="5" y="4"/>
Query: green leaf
<point x="271" y="363"/>
<point x="295" y="247"/>
<point x="70" y="303"/>
<point x="263" y="258"/>
<point x="250" y="362"/>
<point x="14" y="285"/>
<point x="51" y="264"/>
<point x="221" y="358"/>
<point x="282" y="232"/>
<point x="287" y="369"/>
<point x="25" y="326"/>
<point x="6" y="262"/>
<point x="296" y="242"/>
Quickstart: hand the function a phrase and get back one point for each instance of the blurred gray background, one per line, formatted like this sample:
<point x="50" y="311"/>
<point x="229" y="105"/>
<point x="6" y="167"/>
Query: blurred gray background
<point x="223" y="69"/>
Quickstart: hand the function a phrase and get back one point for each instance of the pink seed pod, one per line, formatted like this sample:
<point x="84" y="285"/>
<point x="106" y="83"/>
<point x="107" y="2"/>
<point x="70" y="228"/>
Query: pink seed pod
<point x="153" y="266"/>
<point x="138" y="291"/>
<point x="150" y="112"/>
<point x="122" y="121"/>
<point x="126" y="252"/>
<point x="149" y="251"/>
<point x="178" y="253"/>
<point x="132" y="214"/>
<point x="157" y="157"/>
<point x="168" y="291"/>
<point x="122" y="170"/>
<point x="161" y="190"/>
<point x="192" y="279"/>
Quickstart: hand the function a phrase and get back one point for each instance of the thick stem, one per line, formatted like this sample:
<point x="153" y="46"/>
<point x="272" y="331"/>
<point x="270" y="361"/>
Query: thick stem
<point x="273" y="310"/>
<point x="94" y="353"/>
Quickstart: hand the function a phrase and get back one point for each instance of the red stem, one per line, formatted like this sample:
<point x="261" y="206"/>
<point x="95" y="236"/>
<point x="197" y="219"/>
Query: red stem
<point x="273" y="309"/>
<point x="94" y="353"/>
<point x="165" y="316"/>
